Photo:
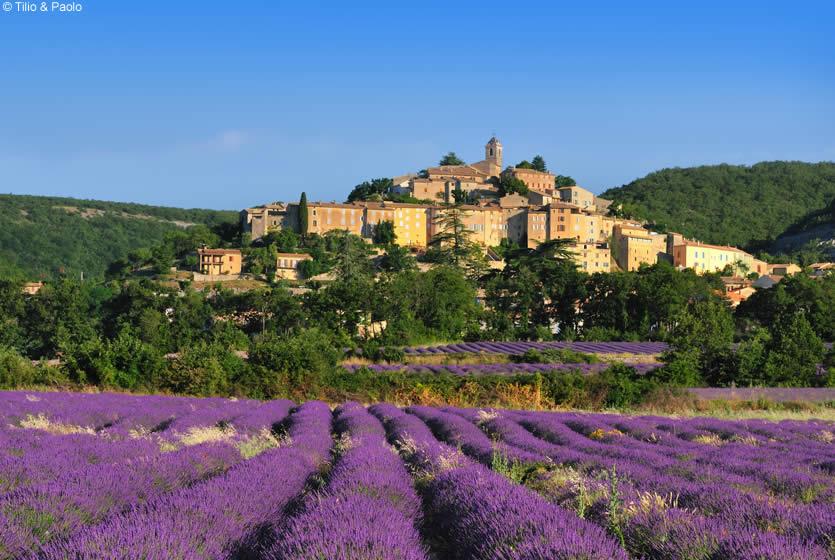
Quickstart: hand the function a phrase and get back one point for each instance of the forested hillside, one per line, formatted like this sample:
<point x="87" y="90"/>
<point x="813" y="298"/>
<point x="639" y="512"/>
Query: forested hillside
<point x="729" y="204"/>
<point x="43" y="236"/>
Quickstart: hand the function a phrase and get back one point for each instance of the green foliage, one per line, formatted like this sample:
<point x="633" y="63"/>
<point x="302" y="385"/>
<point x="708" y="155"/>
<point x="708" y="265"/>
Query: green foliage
<point x="203" y="369"/>
<point x="451" y="159"/>
<point x="537" y="163"/>
<point x="645" y="304"/>
<point x="397" y="259"/>
<point x="794" y="353"/>
<point x="15" y="370"/>
<point x="452" y="243"/>
<point x="284" y="240"/>
<point x="46" y="237"/>
<point x="537" y="288"/>
<point x="303" y="215"/>
<point x="384" y="233"/>
<point x="376" y="189"/>
<point x="418" y="311"/>
<point x="814" y="297"/>
<point x="766" y="199"/>
<point x="620" y="386"/>
<point x="376" y="352"/>
<point x="297" y="362"/>
<point x="555" y="356"/>
<point x="508" y="184"/>
<point x="564" y="181"/>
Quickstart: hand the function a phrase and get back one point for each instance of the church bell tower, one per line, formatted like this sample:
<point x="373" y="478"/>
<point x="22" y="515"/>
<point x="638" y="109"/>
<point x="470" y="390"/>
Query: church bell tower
<point x="493" y="152"/>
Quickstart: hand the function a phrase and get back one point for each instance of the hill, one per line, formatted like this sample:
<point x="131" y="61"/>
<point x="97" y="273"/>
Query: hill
<point x="816" y="228"/>
<point x="43" y="236"/>
<point x="729" y="204"/>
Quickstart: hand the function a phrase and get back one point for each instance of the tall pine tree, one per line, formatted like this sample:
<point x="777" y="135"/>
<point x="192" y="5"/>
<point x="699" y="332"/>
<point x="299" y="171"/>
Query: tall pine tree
<point x="303" y="215"/>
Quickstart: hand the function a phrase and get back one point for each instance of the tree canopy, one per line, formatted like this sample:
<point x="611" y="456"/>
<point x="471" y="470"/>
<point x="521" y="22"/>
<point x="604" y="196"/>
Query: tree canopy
<point x="729" y="204"/>
<point x="451" y="159"/>
<point x="46" y="237"/>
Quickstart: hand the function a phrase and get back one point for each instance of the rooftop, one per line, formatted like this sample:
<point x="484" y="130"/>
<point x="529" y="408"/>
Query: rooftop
<point x="204" y="251"/>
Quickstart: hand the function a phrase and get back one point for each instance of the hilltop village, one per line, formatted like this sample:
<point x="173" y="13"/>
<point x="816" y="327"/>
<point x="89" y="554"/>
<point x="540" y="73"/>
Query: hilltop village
<point x="517" y="205"/>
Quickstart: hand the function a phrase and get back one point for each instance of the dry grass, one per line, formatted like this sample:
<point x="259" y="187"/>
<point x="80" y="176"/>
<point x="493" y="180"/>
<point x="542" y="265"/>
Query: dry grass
<point x="41" y="422"/>
<point x="257" y="444"/>
<point x="206" y="434"/>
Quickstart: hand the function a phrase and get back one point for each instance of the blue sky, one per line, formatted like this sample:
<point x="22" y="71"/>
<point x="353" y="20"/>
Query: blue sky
<point x="230" y="104"/>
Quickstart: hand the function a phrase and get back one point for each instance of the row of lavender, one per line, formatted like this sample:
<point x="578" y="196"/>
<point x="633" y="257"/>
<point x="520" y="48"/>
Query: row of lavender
<point x="694" y="488"/>
<point x="268" y="507"/>
<point x="522" y="347"/>
<point x="496" y="369"/>
<point x="127" y="486"/>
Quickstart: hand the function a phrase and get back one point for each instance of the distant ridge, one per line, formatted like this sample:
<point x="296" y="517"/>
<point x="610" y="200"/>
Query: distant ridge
<point x="43" y="236"/>
<point x="730" y="204"/>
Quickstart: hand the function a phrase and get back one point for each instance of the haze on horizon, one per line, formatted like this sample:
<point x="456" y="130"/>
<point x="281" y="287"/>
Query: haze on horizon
<point x="223" y="105"/>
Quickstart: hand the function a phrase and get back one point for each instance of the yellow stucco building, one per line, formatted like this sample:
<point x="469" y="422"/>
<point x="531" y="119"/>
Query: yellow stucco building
<point x="218" y="262"/>
<point x="703" y="258"/>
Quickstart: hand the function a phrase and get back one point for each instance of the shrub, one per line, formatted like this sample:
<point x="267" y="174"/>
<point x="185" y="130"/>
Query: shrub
<point x="202" y="369"/>
<point x="298" y="362"/>
<point x="554" y="356"/>
<point x="15" y="370"/>
<point x="376" y="353"/>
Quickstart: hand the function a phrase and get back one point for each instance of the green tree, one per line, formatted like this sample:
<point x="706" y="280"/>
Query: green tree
<point x="15" y="370"/>
<point x="452" y="243"/>
<point x="384" y="233"/>
<point x="417" y="311"/>
<point x="451" y="159"/>
<point x="564" y="181"/>
<point x="295" y="366"/>
<point x="376" y="189"/>
<point x="608" y="306"/>
<point x="537" y="291"/>
<point x="397" y="259"/>
<point x="538" y="163"/>
<point x="285" y="240"/>
<point x="508" y="184"/>
<point x="202" y="369"/>
<point x="59" y="317"/>
<point x="12" y="310"/>
<point x="303" y="218"/>
<point x="794" y="353"/>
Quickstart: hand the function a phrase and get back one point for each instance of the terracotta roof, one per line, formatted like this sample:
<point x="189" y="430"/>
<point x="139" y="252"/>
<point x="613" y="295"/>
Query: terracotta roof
<point x="219" y="251"/>
<point x="535" y="171"/>
<point x="400" y="179"/>
<point x="455" y="170"/>
<point x="708" y="246"/>
<point x="294" y="255"/>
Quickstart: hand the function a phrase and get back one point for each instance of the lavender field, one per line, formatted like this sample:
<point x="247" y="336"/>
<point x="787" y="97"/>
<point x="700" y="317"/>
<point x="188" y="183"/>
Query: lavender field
<point x="497" y="369"/>
<point x="522" y="347"/>
<point x="111" y="476"/>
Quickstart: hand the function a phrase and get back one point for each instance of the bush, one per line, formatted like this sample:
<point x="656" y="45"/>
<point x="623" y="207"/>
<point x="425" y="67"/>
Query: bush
<point x="683" y="368"/>
<point x="621" y="386"/>
<point x="203" y="370"/>
<point x="298" y="362"/>
<point x="377" y="353"/>
<point x="15" y="370"/>
<point x="554" y="356"/>
<point x="794" y="354"/>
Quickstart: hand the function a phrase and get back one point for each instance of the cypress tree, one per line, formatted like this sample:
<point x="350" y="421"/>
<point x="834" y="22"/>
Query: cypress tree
<point x="303" y="215"/>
